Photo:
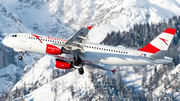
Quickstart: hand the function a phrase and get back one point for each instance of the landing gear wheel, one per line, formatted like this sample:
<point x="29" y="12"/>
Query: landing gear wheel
<point x="22" y="53"/>
<point x="81" y="71"/>
<point x="76" y="63"/>
<point x="20" y="57"/>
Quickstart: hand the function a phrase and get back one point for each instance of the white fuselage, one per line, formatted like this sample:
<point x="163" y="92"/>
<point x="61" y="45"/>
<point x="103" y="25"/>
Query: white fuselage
<point x="94" y="53"/>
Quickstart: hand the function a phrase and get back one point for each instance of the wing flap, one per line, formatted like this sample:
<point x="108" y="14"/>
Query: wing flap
<point x="78" y="40"/>
<point x="99" y="67"/>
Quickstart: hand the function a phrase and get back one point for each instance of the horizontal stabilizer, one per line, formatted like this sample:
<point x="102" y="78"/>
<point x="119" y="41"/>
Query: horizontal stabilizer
<point x="159" y="55"/>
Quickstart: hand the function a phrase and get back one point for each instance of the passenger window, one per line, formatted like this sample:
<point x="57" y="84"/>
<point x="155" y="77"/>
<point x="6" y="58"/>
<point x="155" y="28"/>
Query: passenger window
<point x="89" y="46"/>
<point x="43" y="39"/>
<point x="99" y="48"/>
<point x="50" y="40"/>
<point x="92" y="47"/>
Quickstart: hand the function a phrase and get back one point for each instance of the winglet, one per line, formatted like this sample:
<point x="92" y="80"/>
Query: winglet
<point x="90" y="27"/>
<point x="113" y="71"/>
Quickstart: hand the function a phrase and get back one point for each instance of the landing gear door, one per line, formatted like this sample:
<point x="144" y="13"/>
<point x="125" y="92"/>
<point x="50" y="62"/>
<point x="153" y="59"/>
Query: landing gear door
<point x="23" y="38"/>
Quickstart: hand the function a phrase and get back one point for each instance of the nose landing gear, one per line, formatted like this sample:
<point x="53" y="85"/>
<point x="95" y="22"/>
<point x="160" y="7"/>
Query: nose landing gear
<point x="20" y="57"/>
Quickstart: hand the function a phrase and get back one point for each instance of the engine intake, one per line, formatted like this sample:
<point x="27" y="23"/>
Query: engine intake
<point x="55" y="50"/>
<point x="63" y="64"/>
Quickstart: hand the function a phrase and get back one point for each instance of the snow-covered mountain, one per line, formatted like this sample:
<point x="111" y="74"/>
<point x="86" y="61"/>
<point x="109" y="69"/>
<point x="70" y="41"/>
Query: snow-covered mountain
<point x="62" y="18"/>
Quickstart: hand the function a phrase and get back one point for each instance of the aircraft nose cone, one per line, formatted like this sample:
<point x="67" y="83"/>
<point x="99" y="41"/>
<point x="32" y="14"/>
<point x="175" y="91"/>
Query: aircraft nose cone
<point x="5" y="42"/>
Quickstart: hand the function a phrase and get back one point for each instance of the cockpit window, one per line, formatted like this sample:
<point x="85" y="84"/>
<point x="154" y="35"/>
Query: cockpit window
<point x="14" y="35"/>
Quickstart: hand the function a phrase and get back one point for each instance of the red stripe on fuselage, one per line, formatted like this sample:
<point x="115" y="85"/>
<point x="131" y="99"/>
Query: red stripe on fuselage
<point x="149" y="48"/>
<point x="37" y="37"/>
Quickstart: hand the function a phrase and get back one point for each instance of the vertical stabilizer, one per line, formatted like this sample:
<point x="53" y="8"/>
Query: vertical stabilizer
<point x="161" y="42"/>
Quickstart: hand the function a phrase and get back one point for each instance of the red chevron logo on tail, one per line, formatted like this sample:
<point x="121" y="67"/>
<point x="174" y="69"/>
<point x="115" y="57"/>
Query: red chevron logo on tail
<point x="164" y="40"/>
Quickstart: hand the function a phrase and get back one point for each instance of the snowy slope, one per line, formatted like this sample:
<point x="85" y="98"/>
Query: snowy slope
<point x="9" y="23"/>
<point x="57" y="17"/>
<point x="65" y="86"/>
<point x="7" y="78"/>
<point x="40" y="71"/>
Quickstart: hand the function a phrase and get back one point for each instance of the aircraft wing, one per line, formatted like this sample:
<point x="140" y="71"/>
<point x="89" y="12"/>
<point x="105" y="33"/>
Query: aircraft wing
<point x="78" y="40"/>
<point x="99" y="67"/>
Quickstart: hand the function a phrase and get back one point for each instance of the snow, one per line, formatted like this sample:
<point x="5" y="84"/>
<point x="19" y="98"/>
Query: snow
<point x="97" y="34"/>
<point x="7" y="74"/>
<point x="42" y="69"/>
<point x="80" y="83"/>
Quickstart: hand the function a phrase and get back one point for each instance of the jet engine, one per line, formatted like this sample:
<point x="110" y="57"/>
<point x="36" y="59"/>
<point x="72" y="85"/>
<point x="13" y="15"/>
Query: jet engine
<point x="55" y="50"/>
<point x="63" y="64"/>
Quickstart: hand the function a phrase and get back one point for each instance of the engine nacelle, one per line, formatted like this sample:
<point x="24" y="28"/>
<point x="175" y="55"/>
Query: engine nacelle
<point x="55" y="50"/>
<point x="63" y="64"/>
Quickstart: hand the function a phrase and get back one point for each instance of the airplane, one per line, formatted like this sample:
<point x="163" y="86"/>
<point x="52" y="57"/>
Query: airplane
<point x="77" y="52"/>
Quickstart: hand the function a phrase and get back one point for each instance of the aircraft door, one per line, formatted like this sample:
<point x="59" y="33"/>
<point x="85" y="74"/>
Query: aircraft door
<point x="23" y="38"/>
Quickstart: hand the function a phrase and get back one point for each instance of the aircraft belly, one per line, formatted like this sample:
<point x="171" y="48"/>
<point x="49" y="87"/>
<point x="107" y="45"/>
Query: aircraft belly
<point x="125" y="62"/>
<point x="90" y="57"/>
<point x="122" y="60"/>
<point x="38" y="47"/>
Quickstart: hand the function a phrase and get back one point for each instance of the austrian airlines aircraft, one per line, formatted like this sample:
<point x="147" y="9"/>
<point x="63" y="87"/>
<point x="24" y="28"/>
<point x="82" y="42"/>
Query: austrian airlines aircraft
<point x="76" y="52"/>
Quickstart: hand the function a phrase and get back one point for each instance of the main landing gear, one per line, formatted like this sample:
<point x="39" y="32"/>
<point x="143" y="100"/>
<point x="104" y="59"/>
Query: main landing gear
<point x="78" y="62"/>
<point x="81" y="70"/>
<point x="20" y="57"/>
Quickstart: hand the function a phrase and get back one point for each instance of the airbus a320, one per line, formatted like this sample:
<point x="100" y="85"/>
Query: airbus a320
<point x="76" y="52"/>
